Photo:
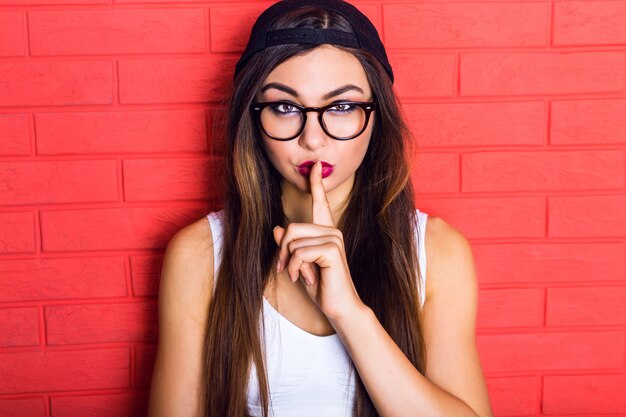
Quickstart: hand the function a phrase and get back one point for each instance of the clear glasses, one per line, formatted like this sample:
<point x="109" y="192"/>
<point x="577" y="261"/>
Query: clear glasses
<point x="284" y="120"/>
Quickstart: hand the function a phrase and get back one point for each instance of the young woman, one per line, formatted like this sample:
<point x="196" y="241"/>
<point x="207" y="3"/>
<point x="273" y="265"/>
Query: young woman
<point x="308" y="294"/>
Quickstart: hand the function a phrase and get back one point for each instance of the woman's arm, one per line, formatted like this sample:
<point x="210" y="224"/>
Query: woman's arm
<point x="454" y="384"/>
<point x="184" y="293"/>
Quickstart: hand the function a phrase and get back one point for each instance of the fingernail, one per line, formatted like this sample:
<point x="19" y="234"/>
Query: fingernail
<point x="279" y="265"/>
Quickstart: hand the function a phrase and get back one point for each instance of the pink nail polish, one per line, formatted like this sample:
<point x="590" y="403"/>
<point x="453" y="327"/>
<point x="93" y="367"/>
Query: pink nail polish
<point x="279" y="265"/>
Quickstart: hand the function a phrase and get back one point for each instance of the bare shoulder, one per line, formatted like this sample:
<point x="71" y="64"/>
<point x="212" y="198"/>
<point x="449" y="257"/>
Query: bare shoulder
<point x="187" y="272"/>
<point x="449" y="316"/>
<point x="184" y="294"/>
<point x="196" y="238"/>
<point x="448" y="255"/>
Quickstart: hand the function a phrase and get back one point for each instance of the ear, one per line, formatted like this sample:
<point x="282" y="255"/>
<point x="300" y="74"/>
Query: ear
<point x="278" y="234"/>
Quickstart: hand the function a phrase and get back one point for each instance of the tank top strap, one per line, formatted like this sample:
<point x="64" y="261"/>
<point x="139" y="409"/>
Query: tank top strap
<point x="216" y="221"/>
<point x="420" y="235"/>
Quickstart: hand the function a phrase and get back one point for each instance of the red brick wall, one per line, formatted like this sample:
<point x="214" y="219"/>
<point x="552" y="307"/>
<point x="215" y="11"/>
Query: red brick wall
<point x="107" y="147"/>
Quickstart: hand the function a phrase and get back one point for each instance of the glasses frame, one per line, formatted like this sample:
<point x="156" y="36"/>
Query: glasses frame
<point x="367" y="106"/>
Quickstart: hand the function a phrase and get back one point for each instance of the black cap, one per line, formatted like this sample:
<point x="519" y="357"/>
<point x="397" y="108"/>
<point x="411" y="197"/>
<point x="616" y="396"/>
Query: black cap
<point x="365" y="35"/>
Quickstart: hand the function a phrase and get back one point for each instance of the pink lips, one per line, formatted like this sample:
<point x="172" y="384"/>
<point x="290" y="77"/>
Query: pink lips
<point x="305" y="168"/>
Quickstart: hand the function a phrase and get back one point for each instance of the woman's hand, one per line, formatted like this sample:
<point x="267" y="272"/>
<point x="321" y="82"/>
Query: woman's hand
<point x="316" y="251"/>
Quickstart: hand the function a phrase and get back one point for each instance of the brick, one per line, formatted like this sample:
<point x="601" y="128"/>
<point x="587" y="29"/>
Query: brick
<point x="54" y="370"/>
<point x="101" y="323"/>
<point x="543" y="263"/>
<point x="601" y="215"/>
<point x="108" y="405"/>
<point x="543" y="171"/>
<point x="589" y="122"/>
<point x="114" y="228"/>
<point x="20" y="326"/>
<point x="231" y="25"/>
<point x="121" y="132"/>
<point x="51" y="182"/>
<point x="468" y="215"/>
<point x="423" y="75"/>
<point x="12" y="42"/>
<point x="55" y="83"/>
<point x="18" y="232"/>
<point x="150" y="2"/>
<point x="545" y="351"/>
<point x="532" y="73"/>
<point x="477" y="124"/>
<point x="584" y="394"/>
<point x="461" y="25"/>
<point x="174" y="80"/>
<point x="435" y="172"/>
<point x="62" y="278"/>
<point x="591" y="415"/>
<point x="146" y="274"/>
<point x="117" y="31"/>
<point x="172" y="179"/>
<point x="513" y="396"/>
<point x="589" y="23"/>
<point x="14" y="134"/>
<point x="586" y="306"/>
<point x="144" y="363"/>
<point x="54" y="2"/>
<point x="510" y="308"/>
<point x="22" y="407"/>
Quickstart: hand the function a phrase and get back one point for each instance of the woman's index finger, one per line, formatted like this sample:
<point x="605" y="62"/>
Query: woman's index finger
<point x="321" y="208"/>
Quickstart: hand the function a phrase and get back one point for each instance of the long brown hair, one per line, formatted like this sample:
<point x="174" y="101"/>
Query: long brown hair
<point x="378" y="226"/>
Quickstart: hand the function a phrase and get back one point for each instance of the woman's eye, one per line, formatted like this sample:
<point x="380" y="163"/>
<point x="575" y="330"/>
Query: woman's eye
<point x="283" y="108"/>
<point x="343" y="108"/>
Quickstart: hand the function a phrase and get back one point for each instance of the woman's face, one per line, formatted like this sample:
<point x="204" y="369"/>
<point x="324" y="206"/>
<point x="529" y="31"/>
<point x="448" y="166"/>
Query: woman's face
<point x="311" y="76"/>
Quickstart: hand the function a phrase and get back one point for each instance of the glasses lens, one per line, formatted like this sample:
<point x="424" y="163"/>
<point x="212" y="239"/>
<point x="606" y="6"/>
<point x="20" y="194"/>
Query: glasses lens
<point x="283" y="121"/>
<point x="344" y="120"/>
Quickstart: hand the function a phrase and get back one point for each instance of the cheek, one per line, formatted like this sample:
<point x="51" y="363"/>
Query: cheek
<point x="277" y="152"/>
<point x="361" y="144"/>
<point x="350" y="156"/>
<point x="359" y="152"/>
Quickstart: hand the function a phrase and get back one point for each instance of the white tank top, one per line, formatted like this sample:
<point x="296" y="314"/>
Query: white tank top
<point x="308" y="375"/>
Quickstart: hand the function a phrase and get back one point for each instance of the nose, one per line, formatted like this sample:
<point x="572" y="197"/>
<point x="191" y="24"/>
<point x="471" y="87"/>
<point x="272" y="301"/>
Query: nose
<point x="312" y="135"/>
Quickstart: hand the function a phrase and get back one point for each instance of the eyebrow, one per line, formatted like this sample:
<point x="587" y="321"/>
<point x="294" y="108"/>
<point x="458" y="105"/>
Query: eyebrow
<point x="289" y="90"/>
